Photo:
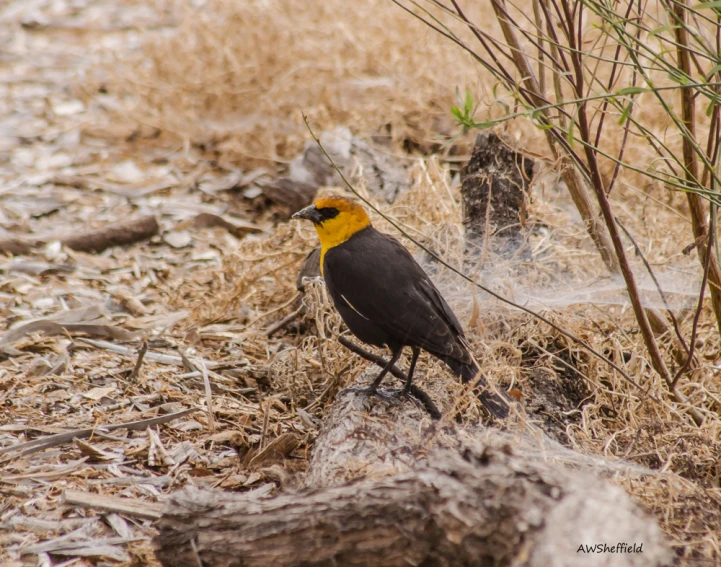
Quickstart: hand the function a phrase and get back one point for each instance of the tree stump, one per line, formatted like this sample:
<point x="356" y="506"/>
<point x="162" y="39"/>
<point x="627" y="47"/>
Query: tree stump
<point x="494" y="189"/>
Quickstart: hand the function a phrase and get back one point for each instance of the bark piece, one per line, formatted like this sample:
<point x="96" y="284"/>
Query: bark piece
<point x="118" y="234"/>
<point x="15" y="247"/>
<point x="277" y="450"/>
<point x="209" y="220"/>
<point x="494" y="190"/>
<point x="133" y="507"/>
<point x="384" y="176"/>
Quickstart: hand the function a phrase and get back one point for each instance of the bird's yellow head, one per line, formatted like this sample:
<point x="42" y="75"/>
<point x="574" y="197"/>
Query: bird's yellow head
<point x="336" y="219"/>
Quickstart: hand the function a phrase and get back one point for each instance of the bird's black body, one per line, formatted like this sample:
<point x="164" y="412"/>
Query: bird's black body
<point x="386" y="299"/>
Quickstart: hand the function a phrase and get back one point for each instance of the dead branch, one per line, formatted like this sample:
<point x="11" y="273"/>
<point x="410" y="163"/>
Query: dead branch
<point x="118" y="234"/>
<point x="379" y="361"/>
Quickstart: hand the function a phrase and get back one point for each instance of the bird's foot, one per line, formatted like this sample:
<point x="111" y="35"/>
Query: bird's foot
<point x="395" y="395"/>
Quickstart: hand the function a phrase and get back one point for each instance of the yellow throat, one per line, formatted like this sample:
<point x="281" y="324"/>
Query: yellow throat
<point x="351" y="218"/>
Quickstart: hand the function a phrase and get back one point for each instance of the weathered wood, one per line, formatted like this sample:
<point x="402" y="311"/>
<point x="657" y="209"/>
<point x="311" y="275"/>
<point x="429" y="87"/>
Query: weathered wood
<point x="389" y="487"/>
<point x="486" y="507"/>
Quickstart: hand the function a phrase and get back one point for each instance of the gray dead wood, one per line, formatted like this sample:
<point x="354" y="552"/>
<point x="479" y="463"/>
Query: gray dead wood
<point x="388" y="487"/>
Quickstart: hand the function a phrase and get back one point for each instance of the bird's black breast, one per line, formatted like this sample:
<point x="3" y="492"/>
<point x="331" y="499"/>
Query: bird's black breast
<point x="386" y="298"/>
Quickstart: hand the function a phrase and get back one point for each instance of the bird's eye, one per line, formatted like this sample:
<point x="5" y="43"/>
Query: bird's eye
<point x="328" y="212"/>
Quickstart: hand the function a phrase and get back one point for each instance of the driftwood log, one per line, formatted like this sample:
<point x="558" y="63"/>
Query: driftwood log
<point x="387" y="486"/>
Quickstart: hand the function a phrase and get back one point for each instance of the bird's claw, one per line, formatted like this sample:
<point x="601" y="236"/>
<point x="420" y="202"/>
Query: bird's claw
<point x="389" y="395"/>
<point x="397" y="393"/>
<point x="354" y="390"/>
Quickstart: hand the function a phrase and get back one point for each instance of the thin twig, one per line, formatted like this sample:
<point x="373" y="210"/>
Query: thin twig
<point x="284" y="322"/>
<point x="139" y="362"/>
<point x="651" y="273"/>
<point x="699" y="307"/>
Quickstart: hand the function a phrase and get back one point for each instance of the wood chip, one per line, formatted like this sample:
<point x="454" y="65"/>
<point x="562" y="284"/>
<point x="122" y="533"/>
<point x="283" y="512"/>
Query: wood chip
<point x="133" y="507"/>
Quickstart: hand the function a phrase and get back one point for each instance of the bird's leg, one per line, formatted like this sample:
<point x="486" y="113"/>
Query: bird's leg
<point x="411" y="369"/>
<point x="377" y="382"/>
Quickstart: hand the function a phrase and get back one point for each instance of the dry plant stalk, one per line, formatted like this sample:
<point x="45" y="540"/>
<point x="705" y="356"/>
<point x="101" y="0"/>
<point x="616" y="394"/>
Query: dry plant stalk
<point x="696" y="206"/>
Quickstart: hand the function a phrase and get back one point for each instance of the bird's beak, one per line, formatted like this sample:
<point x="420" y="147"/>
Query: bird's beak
<point x="309" y="213"/>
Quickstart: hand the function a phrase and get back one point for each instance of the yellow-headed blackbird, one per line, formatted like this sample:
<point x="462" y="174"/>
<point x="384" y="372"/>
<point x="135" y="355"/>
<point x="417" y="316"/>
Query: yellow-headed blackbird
<point x="383" y="295"/>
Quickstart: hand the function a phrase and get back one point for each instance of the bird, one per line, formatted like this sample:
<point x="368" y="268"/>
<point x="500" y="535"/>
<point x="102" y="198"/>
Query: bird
<point x="385" y="297"/>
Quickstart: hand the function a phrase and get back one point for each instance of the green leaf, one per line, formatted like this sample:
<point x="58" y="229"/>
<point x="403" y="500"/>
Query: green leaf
<point x="469" y="103"/>
<point x="631" y="91"/>
<point x="661" y="29"/>
<point x="625" y="114"/>
<point x="702" y="5"/>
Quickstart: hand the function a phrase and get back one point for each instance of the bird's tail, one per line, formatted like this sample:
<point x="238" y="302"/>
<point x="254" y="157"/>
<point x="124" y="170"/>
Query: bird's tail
<point x="497" y="405"/>
<point x="464" y="370"/>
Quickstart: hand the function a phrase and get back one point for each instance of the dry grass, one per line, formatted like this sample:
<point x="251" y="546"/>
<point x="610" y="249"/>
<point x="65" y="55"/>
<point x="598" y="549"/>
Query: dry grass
<point x="238" y="75"/>
<point x="225" y="87"/>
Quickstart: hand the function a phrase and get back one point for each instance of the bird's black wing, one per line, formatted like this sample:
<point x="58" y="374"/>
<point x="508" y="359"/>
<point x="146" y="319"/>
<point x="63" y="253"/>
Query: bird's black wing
<point x="379" y="279"/>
